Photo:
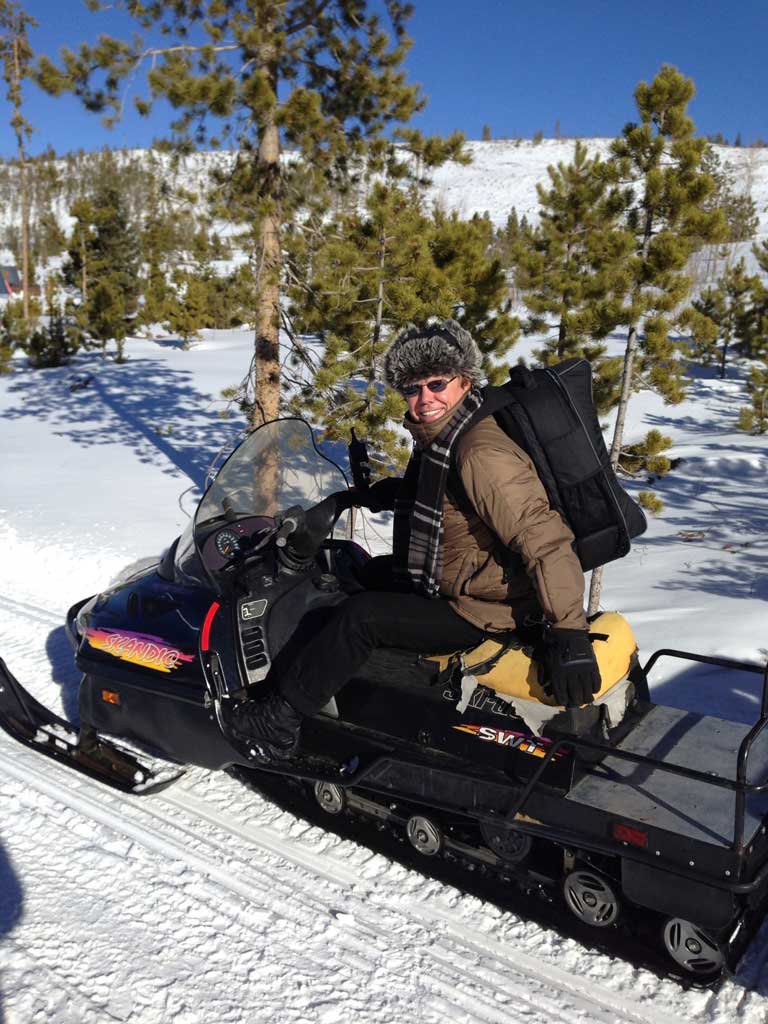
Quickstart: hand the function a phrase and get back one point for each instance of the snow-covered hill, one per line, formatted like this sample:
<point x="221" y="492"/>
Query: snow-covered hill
<point x="207" y="903"/>
<point x="503" y="174"/>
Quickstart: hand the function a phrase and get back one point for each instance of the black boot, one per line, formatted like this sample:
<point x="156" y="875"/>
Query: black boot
<point x="271" y="726"/>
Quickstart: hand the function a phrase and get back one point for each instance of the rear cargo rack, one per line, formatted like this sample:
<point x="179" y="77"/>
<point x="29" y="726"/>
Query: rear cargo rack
<point x="739" y="785"/>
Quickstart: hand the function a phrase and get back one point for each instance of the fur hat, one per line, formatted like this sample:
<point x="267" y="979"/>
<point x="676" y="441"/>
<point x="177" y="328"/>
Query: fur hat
<point x="439" y="346"/>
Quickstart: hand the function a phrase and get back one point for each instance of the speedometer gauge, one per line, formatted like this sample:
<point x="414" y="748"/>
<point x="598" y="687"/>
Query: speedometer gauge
<point x="227" y="543"/>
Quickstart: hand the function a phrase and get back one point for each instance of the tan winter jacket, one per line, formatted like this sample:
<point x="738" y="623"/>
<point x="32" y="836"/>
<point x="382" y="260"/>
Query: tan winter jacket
<point x="507" y="510"/>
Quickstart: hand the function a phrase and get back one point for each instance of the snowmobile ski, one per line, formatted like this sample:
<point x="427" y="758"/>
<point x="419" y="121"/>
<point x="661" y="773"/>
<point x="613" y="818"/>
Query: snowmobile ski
<point x="34" y="725"/>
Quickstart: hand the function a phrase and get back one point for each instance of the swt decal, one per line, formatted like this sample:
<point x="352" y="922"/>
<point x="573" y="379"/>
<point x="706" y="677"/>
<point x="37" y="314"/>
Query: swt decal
<point x="138" y="648"/>
<point x="509" y="738"/>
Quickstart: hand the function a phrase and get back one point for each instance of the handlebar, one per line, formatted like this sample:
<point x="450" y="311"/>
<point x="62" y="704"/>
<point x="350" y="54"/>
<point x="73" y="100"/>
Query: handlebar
<point x="301" y="533"/>
<point x="286" y="528"/>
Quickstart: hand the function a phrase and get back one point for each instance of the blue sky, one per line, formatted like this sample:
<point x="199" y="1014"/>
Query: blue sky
<point x="518" y="68"/>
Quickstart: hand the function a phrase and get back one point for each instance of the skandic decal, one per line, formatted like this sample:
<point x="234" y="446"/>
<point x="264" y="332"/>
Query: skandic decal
<point x="509" y="738"/>
<point x="138" y="648"/>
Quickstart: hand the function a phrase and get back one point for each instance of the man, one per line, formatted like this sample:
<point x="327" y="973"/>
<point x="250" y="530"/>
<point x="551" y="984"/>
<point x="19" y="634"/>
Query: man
<point x="476" y="549"/>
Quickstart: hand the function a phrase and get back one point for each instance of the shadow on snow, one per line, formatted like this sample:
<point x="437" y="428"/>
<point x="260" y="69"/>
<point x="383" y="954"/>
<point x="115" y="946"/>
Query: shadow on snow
<point x="64" y="672"/>
<point x="727" y="529"/>
<point x="136" y="404"/>
<point x="11" y="904"/>
<point x="708" y="690"/>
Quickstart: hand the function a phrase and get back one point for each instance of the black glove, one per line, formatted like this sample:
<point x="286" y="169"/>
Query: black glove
<point x="570" y="667"/>
<point x="380" y="497"/>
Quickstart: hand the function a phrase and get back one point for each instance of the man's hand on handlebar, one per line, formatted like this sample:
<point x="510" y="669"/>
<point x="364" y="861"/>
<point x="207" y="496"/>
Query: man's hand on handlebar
<point x="380" y="497"/>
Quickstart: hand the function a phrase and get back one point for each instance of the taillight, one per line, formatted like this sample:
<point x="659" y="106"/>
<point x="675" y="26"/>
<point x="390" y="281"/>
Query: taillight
<point x="627" y="834"/>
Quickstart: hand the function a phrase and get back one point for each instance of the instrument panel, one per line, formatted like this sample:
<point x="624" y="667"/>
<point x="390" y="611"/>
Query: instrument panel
<point x="227" y="543"/>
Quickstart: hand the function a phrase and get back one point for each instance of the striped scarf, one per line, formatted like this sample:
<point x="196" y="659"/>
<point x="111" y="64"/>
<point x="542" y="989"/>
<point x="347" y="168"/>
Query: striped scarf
<point x="418" y="528"/>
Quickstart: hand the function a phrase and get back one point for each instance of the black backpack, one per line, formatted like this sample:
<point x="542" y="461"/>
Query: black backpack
<point x="551" y="415"/>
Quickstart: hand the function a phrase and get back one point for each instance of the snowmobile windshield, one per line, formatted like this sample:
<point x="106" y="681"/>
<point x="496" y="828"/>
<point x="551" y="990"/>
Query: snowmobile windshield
<point x="275" y="467"/>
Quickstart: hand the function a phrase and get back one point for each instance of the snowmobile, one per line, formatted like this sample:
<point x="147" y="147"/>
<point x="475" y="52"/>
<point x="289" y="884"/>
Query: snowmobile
<point x="621" y="808"/>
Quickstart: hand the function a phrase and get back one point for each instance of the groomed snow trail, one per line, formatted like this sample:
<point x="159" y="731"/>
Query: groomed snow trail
<point x="360" y="922"/>
<point x="205" y="902"/>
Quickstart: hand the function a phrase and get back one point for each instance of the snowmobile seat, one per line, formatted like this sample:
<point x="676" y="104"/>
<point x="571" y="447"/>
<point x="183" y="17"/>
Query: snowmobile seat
<point x="503" y="663"/>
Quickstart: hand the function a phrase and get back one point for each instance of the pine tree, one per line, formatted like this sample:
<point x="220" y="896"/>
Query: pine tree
<point x="7" y="349"/>
<point x="16" y="55"/>
<point x="115" y="246"/>
<point x="660" y="159"/>
<point x="728" y="308"/>
<point x="507" y="241"/>
<point x="647" y="456"/>
<point x="76" y="270"/>
<point x="754" y="418"/>
<point x="476" y="286"/>
<point x="103" y="264"/>
<point x="738" y="207"/>
<point x="487" y="136"/>
<point x="11" y="334"/>
<point x="368" y="275"/>
<point x="55" y="343"/>
<point x="158" y="243"/>
<point x="320" y="76"/>
<point x="186" y="315"/>
<point x="758" y="341"/>
<point x="48" y="240"/>
<point x="360" y="272"/>
<point x="574" y="267"/>
<point x="106" y="315"/>
<point x="242" y="297"/>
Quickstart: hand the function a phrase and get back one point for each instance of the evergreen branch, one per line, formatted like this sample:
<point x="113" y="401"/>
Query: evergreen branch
<point x="311" y="18"/>
<point x="161" y="51"/>
<point x="307" y="358"/>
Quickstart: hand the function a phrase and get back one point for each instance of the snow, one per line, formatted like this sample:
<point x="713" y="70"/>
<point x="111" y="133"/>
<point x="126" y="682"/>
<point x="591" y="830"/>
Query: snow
<point x="504" y="173"/>
<point x="208" y="903"/>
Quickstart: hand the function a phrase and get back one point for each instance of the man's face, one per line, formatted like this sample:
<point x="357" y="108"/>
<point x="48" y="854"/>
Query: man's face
<point x="428" y="405"/>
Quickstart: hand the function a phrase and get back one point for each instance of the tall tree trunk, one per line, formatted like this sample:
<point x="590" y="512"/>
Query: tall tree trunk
<point x="562" y="332"/>
<point x="24" y="233"/>
<point x="627" y="379"/>
<point x="626" y="391"/>
<point x="266" y="368"/>
<point x="83" y="271"/>
<point x="379" y="308"/>
<point x="23" y="180"/>
<point x="561" y="336"/>
<point x="724" y="353"/>
<point x="596" y="580"/>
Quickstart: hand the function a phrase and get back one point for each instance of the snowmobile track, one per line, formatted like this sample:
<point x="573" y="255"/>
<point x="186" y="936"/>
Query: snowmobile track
<point x="472" y="972"/>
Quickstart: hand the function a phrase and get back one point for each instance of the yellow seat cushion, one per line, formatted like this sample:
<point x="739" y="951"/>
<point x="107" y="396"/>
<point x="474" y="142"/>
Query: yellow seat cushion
<point x="516" y="674"/>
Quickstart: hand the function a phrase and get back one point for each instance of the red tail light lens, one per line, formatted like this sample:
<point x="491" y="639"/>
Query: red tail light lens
<point x="627" y="834"/>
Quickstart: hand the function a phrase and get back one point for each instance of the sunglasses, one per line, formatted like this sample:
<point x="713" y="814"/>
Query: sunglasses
<point x="435" y="386"/>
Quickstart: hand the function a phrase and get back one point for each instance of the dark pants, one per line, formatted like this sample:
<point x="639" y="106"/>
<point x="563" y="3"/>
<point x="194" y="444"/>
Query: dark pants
<point x="368" y="620"/>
